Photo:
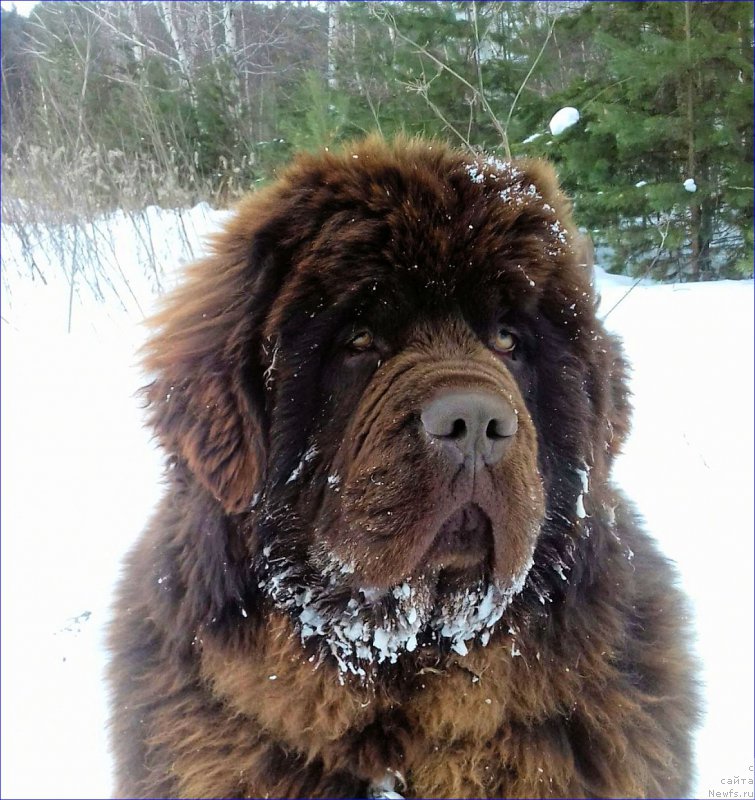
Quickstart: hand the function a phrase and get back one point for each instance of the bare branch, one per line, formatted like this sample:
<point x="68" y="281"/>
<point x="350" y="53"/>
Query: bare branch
<point x="528" y="75"/>
<point x="646" y="272"/>
<point x="92" y="8"/>
<point x="502" y="131"/>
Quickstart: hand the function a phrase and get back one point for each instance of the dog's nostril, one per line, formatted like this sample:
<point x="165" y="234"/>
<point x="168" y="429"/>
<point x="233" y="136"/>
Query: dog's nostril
<point x="458" y="429"/>
<point x="501" y="427"/>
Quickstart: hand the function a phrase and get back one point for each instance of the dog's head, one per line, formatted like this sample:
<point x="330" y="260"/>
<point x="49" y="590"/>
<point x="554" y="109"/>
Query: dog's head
<point x="391" y="369"/>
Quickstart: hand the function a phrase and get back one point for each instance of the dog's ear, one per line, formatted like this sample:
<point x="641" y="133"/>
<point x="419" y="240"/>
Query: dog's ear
<point x="610" y="366"/>
<point x="206" y="399"/>
<point x="609" y="389"/>
<point x="584" y="252"/>
<point x="619" y="407"/>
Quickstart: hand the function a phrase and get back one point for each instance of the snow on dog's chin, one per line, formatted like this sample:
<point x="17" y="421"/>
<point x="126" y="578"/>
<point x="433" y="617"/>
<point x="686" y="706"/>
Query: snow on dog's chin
<point x="365" y="627"/>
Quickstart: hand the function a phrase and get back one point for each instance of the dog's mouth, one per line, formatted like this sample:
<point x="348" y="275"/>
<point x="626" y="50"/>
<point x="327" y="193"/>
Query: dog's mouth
<point x="451" y="599"/>
<point x="463" y="542"/>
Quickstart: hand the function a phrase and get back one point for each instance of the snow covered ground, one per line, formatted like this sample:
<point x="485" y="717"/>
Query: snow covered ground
<point x="80" y="475"/>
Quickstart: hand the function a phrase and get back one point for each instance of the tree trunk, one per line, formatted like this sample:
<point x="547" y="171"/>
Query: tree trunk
<point x="229" y="29"/>
<point x="695" y="211"/>
<point x="333" y="33"/>
<point x="166" y="10"/>
<point x="230" y="42"/>
<point x="136" y="49"/>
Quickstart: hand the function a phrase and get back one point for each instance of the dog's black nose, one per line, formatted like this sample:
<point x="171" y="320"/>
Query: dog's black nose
<point x="470" y="426"/>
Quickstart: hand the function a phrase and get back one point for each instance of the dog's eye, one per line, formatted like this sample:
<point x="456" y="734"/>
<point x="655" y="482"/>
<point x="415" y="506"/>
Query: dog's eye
<point x="504" y="341"/>
<point x="362" y="341"/>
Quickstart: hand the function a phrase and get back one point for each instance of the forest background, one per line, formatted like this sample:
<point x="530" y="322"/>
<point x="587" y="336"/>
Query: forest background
<point x="124" y="105"/>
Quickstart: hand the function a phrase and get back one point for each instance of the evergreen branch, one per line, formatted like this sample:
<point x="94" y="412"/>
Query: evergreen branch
<point x="605" y="89"/>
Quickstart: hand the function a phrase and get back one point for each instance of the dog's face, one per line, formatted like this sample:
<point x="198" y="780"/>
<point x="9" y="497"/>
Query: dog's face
<point x="397" y="380"/>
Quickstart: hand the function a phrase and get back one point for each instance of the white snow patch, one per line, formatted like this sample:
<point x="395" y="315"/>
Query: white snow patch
<point x="475" y="173"/>
<point x="563" y="119"/>
<point x="580" y="507"/>
<point x="298" y="469"/>
<point x="363" y="633"/>
<point x="269" y="373"/>
<point x="524" y="272"/>
<point x="584" y="475"/>
<point x="385" y="789"/>
<point x="690" y="185"/>
<point x="372" y="595"/>
<point x="296" y="472"/>
<point x="492" y="168"/>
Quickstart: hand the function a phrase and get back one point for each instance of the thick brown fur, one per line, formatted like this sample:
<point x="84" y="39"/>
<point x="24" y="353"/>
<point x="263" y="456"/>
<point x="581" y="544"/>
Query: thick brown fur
<point x="585" y="688"/>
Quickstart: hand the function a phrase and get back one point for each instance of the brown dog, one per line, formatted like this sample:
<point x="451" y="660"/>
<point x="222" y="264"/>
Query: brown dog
<point x="390" y="558"/>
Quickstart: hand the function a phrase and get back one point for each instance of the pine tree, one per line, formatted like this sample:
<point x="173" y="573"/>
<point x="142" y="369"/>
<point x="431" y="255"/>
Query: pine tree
<point x="665" y="96"/>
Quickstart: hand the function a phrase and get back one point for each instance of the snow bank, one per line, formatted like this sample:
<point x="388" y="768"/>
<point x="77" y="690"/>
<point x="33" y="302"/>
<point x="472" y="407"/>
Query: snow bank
<point x="81" y="476"/>
<point x="119" y="264"/>
<point x="688" y="466"/>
